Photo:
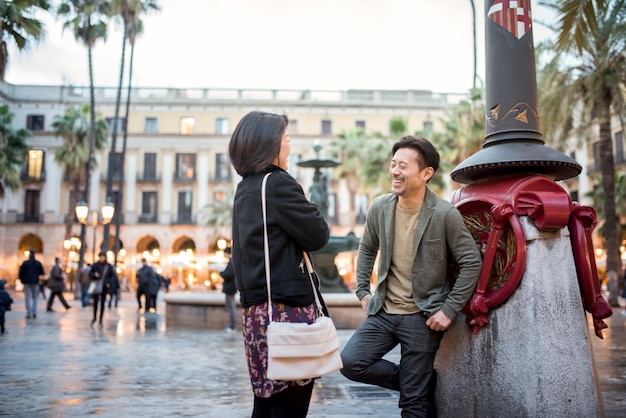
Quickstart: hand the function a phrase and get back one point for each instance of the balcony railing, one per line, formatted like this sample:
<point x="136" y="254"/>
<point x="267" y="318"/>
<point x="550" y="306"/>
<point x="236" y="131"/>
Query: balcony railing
<point x="25" y="177"/>
<point x="147" y="219"/>
<point x="148" y="178"/>
<point x="184" y="220"/>
<point x="179" y="178"/>
<point x="24" y="218"/>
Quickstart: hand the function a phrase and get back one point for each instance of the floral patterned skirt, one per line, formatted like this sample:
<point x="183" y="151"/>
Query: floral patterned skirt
<point x="255" y="340"/>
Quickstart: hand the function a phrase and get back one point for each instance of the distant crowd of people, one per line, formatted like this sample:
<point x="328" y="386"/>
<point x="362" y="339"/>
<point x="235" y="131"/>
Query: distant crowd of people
<point x="98" y="282"/>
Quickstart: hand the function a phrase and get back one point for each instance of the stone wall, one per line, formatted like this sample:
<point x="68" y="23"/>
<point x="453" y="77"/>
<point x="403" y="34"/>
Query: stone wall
<point x="206" y="310"/>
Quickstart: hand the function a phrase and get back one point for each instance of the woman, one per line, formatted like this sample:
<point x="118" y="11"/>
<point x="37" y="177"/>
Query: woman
<point x="104" y="271"/>
<point x="260" y="145"/>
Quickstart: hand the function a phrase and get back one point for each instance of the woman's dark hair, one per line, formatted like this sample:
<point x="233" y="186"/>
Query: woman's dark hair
<point x="255" y="142"/>
<point x="427" y="155"/>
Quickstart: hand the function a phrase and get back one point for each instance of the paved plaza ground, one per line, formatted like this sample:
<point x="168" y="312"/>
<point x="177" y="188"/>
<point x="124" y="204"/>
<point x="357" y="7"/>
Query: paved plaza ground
<point x="58" y="365"/>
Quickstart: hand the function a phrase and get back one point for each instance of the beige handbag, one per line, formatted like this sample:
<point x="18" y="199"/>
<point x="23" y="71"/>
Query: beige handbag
<point x="297" y="350"/>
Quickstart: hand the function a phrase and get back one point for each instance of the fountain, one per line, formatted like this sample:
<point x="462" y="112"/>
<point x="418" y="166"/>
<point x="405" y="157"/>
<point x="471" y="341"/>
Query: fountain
<point x="324" y="259"/>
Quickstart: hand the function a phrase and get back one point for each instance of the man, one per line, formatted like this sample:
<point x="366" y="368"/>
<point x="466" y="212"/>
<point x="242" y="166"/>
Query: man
<point x="83" y="280"/>
<point x="146" y="278"/>
<point x="418" y="235"/>
<point x="229" y="288"/>
<point x="56" y="284"/>
<point x="30" y="272"/>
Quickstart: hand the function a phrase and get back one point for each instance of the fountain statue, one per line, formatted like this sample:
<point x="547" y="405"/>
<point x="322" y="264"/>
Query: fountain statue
<point x="324" y="259"/>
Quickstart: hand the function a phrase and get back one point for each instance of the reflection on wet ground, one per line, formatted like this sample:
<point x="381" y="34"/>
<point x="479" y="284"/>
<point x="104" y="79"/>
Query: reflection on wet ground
<point x="59" y="366"/>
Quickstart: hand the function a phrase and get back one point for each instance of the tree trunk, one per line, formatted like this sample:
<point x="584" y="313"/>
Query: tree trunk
<point x="92" y="146"/>
<point x="112" y="153"/>
<point x="118" y="219"/>
<point x="611" y="240"/>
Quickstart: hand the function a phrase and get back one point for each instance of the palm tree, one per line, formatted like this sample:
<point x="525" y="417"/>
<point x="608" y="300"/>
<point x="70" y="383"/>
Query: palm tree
<point x="219" y="214"/>
<point x="129" y="11"/>
<point x="13" y="152"/>
<point x="362" y="159"/>
<point x="464" y="131"/>
<point x="593" y="33"/>
<point x="17" y="23"/>
<point x="73" y="127"/>
<point x="87" y="19"/>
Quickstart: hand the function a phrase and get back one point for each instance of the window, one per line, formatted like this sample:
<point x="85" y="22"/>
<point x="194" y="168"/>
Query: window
<point x="360" y="207"/>
<point x="148" y="207"/>
<point x="292" y="128"/>
<point x="186" y="125"/>
<point x="151" y="125"/>
<point x="360" y="125"/>
<point x="221" y="126"/>
<point x="149" y="166"/>
<point x="31" y="205"/>
<point x="121" y="123"/>
<point x="427" y="125"/>
<point x="116" y="165"/>
<point x="222" y="167"/>
<point x="293" y="160"/>
<point x="185" y="199"/>
<point x="35" y="122"/>
<point x="35" y="164"/>
<point x="327" y="127"/>
<point x="619" y="147"/>
<point x="185" y="166"/>
<point x="596" y="157"/>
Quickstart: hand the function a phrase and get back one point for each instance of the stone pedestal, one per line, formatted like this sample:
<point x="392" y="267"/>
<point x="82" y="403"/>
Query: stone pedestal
<point x="533" y="358"/>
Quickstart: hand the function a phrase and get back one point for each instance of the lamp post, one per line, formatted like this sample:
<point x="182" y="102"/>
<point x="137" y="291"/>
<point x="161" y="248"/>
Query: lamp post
<point x="82" y="213"/>
<point x="72" y="247"/>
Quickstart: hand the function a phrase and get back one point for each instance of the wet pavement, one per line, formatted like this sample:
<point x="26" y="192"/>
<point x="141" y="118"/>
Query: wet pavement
<point x="58" y="365"/>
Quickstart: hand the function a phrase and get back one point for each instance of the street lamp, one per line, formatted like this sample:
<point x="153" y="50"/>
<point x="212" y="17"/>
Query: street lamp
<point x="82" y="213"/>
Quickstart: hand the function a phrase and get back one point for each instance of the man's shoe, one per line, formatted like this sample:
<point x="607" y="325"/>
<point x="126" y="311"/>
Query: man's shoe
<point x="49" y="310"/>
<point x="28" y="316"/>
<point x="68" y="308"/>
<point x="230" y="330"/>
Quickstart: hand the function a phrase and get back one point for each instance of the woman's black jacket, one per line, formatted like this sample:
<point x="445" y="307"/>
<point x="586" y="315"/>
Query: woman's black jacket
<point x="293" y="224"/>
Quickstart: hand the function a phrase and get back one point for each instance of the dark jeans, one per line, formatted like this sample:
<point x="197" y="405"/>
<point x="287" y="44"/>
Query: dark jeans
<point x="84" y="294"/>
<point x="115" y="296"/>
<point x="292" y="402"/>
<point x="59" y="294"/>
<point x="142" y="291"/>
<point x="98" y="298"/>
<point x="2" y="329"/>
<point x="379" y="334"/>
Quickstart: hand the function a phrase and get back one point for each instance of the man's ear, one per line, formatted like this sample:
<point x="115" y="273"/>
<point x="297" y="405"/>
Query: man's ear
<point x="428" y="174"/>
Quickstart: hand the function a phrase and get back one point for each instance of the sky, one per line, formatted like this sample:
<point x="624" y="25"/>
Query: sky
<point x="279" y="44"/>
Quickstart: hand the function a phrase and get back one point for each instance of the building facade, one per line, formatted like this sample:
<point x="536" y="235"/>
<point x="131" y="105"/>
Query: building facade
<point x="176" y="164"/>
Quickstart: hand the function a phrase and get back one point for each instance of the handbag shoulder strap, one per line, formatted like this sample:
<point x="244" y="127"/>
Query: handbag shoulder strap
<point x="309" y="266"/>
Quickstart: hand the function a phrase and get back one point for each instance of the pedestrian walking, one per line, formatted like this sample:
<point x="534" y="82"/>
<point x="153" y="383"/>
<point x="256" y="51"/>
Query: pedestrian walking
<point x="56" y="284"/>
<point x="29" y="274"/>
<point x="153" y="292"/>
<point x="112" y="289"/>
<point x="43" y="284"/>
<point x="229" y="288"/>
<point x="100" y="274"/>
<point x="145" y="278"/>
<point x="5" y="304"/>
<point x="83" y="281"/>
<point x="259" y="150"/>
<point x="416" y="235"/>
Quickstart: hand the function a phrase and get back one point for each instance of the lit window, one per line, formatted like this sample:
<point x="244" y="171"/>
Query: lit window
<point x="186" y="125"/>
<point x="35" y="163"/>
